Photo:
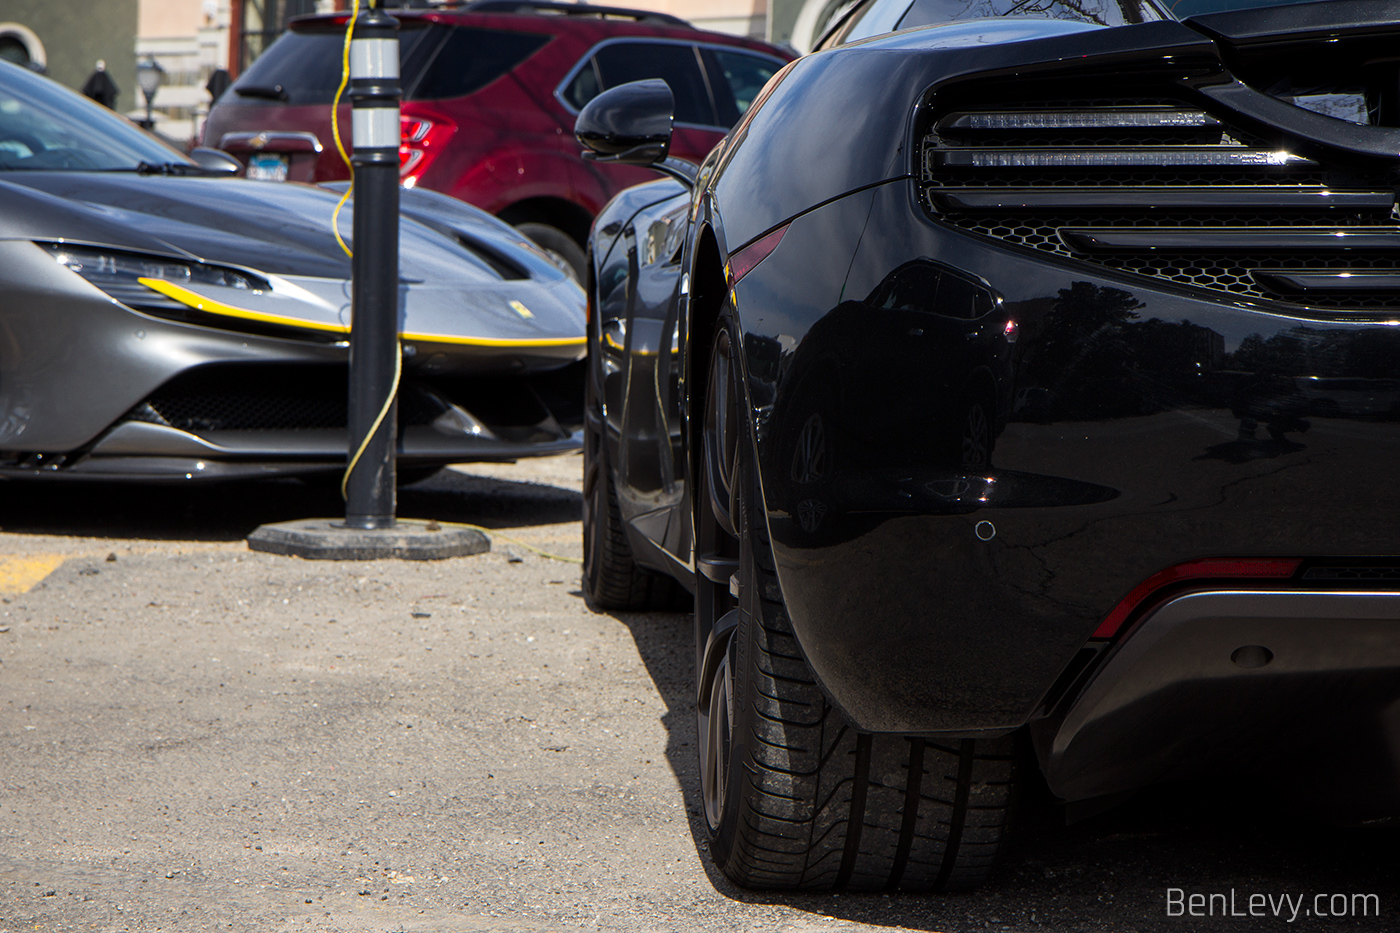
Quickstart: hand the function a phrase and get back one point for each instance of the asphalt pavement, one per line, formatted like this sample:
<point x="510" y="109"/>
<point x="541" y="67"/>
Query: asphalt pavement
<point x="200" y="737"/>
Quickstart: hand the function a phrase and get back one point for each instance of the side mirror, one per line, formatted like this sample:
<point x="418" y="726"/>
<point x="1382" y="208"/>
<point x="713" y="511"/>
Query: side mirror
<point x="630" y="123"/>
<point x="215" y="160"/>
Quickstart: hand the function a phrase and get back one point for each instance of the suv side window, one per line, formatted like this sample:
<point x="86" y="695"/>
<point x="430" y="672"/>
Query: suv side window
<point x="585" y="86"/>
<point x="959" y="298"/>
<point x="736" y="78"/>
<point x="911" y="288"/>
<point x="677" y="64"/>
<point x="470" y="59"/>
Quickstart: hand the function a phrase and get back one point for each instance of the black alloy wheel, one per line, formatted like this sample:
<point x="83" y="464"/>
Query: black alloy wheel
<point x="612" y="578"/>
<point x="794" y="796"/>
<point x="976" y="447"/>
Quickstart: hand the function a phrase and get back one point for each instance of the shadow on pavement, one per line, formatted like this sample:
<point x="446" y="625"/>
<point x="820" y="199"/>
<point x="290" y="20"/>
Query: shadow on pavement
<point x="1108" y="873"/>
<point x="229" y="511"/>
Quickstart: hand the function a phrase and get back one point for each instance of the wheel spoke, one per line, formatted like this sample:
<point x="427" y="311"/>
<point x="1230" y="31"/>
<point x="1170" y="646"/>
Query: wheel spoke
<point x="718" y="507"/>
<point x="720" y="436"/>
<point x="716" y="731"/>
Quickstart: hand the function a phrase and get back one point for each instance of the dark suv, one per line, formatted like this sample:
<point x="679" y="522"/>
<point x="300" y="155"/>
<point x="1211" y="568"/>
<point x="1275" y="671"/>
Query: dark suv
<point x="491" y="90"/>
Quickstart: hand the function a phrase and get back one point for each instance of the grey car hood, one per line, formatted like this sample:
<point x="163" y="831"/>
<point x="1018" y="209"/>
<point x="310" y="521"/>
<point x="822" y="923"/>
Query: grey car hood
<point x="466" y="273"/>
<point x="283" y="229"/>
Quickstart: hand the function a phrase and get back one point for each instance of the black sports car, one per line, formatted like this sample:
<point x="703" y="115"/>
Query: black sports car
<point x="163" y="323"/>
<point x="1013" y="393"/>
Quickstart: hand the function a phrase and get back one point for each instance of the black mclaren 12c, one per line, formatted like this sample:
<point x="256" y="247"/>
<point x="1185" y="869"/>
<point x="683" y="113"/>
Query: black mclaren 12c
<point x="1014" y="393"/>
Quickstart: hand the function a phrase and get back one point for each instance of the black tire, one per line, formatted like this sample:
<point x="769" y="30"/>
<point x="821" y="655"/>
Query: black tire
<point x="560" y="246"/>
<point x="794" y="796"/>
<point x="612" y="578"/>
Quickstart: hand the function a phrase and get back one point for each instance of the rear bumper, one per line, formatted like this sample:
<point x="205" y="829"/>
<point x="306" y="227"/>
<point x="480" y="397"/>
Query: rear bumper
<point x="929" y="598"/>
<point x="1295" y="685"/>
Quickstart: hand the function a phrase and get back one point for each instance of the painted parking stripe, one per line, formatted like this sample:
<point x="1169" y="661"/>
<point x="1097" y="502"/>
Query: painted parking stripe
<point x="19" y="573"/>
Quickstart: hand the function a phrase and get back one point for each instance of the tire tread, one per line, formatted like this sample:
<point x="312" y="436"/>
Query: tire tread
<point x="828" y="808"/>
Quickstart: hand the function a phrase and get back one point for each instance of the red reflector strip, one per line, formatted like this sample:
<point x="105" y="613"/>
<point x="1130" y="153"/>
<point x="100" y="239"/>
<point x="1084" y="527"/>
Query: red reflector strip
<point x="1193" y="570"/>
<point x="744" y="261"/>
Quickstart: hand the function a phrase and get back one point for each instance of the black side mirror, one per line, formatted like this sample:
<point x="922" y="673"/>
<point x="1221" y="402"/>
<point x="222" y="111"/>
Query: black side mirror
<point x="215" y="160"/>
<point x="631" y="124"/>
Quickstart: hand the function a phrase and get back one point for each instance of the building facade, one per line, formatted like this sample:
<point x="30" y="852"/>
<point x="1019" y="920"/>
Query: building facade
<point x="67" y="38"/>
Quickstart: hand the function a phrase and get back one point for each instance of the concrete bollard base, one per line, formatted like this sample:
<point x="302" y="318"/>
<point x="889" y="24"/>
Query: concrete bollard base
<point x="329" y="539"/>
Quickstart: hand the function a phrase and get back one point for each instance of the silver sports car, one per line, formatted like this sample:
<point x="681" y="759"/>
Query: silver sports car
<point x="164" y="321"/>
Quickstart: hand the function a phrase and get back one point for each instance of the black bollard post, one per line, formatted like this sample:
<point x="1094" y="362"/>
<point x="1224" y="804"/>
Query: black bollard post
<point x="370" y="530"/>
<point x="374" y="338"/>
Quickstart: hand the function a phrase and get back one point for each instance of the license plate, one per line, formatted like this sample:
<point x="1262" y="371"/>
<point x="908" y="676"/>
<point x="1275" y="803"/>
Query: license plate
<point x="265" y="166"/>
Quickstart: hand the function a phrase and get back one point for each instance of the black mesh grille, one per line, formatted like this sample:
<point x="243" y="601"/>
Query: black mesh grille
<point x="266" y="398"/>
<point x="199" y="413"/>
<point x="1216" y="271"/>
<point x="1208" y="268"/>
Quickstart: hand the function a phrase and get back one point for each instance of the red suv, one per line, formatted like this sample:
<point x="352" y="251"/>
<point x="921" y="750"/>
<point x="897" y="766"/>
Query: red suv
<point x="491" y="90"/>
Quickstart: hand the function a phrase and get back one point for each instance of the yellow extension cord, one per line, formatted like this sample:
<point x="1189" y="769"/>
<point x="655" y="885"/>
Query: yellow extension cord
<point x="335" y="228"/>
<point x="335" y="126"/>
<point x="516" y="541"/>
<point x="398" y="358"/>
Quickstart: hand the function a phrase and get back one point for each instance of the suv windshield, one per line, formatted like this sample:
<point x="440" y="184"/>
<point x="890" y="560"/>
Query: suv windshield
<point x="44" y="126"/>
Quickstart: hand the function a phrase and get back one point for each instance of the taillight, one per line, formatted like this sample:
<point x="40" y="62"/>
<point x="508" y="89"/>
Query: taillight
<point x="1220" y="569"/>
<point x="744" y="261"/>
<point x="420" y="140"/>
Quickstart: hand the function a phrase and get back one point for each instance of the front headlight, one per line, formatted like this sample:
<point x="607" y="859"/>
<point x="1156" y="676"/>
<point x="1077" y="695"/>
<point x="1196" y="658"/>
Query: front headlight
<point x="119" y="274"/>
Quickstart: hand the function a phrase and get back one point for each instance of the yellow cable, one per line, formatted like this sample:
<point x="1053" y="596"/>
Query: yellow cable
<point x="379" y="419"/>
<point x="516" y="541"/>
<point x="335" y="127"/>
<point x="335" y="218"/>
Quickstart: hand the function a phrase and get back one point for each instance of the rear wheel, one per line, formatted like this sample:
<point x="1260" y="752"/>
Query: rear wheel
<point x="794" y="796"/>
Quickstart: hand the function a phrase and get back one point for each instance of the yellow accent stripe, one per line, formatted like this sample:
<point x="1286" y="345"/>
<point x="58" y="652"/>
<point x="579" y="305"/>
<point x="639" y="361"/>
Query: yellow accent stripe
<point x="210" y="306"/>
<point x="499" y="341"/>
<point x="19" y="574"/>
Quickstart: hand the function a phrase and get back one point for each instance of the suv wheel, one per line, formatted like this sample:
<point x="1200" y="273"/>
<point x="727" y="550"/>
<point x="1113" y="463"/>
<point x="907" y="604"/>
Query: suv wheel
<point x="794" y="796"/>
<point x="560" y="246"/>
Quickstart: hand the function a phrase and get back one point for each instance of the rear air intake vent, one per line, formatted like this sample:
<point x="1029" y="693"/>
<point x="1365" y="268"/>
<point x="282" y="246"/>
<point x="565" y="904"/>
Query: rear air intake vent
<point x="1165" y="190"/>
